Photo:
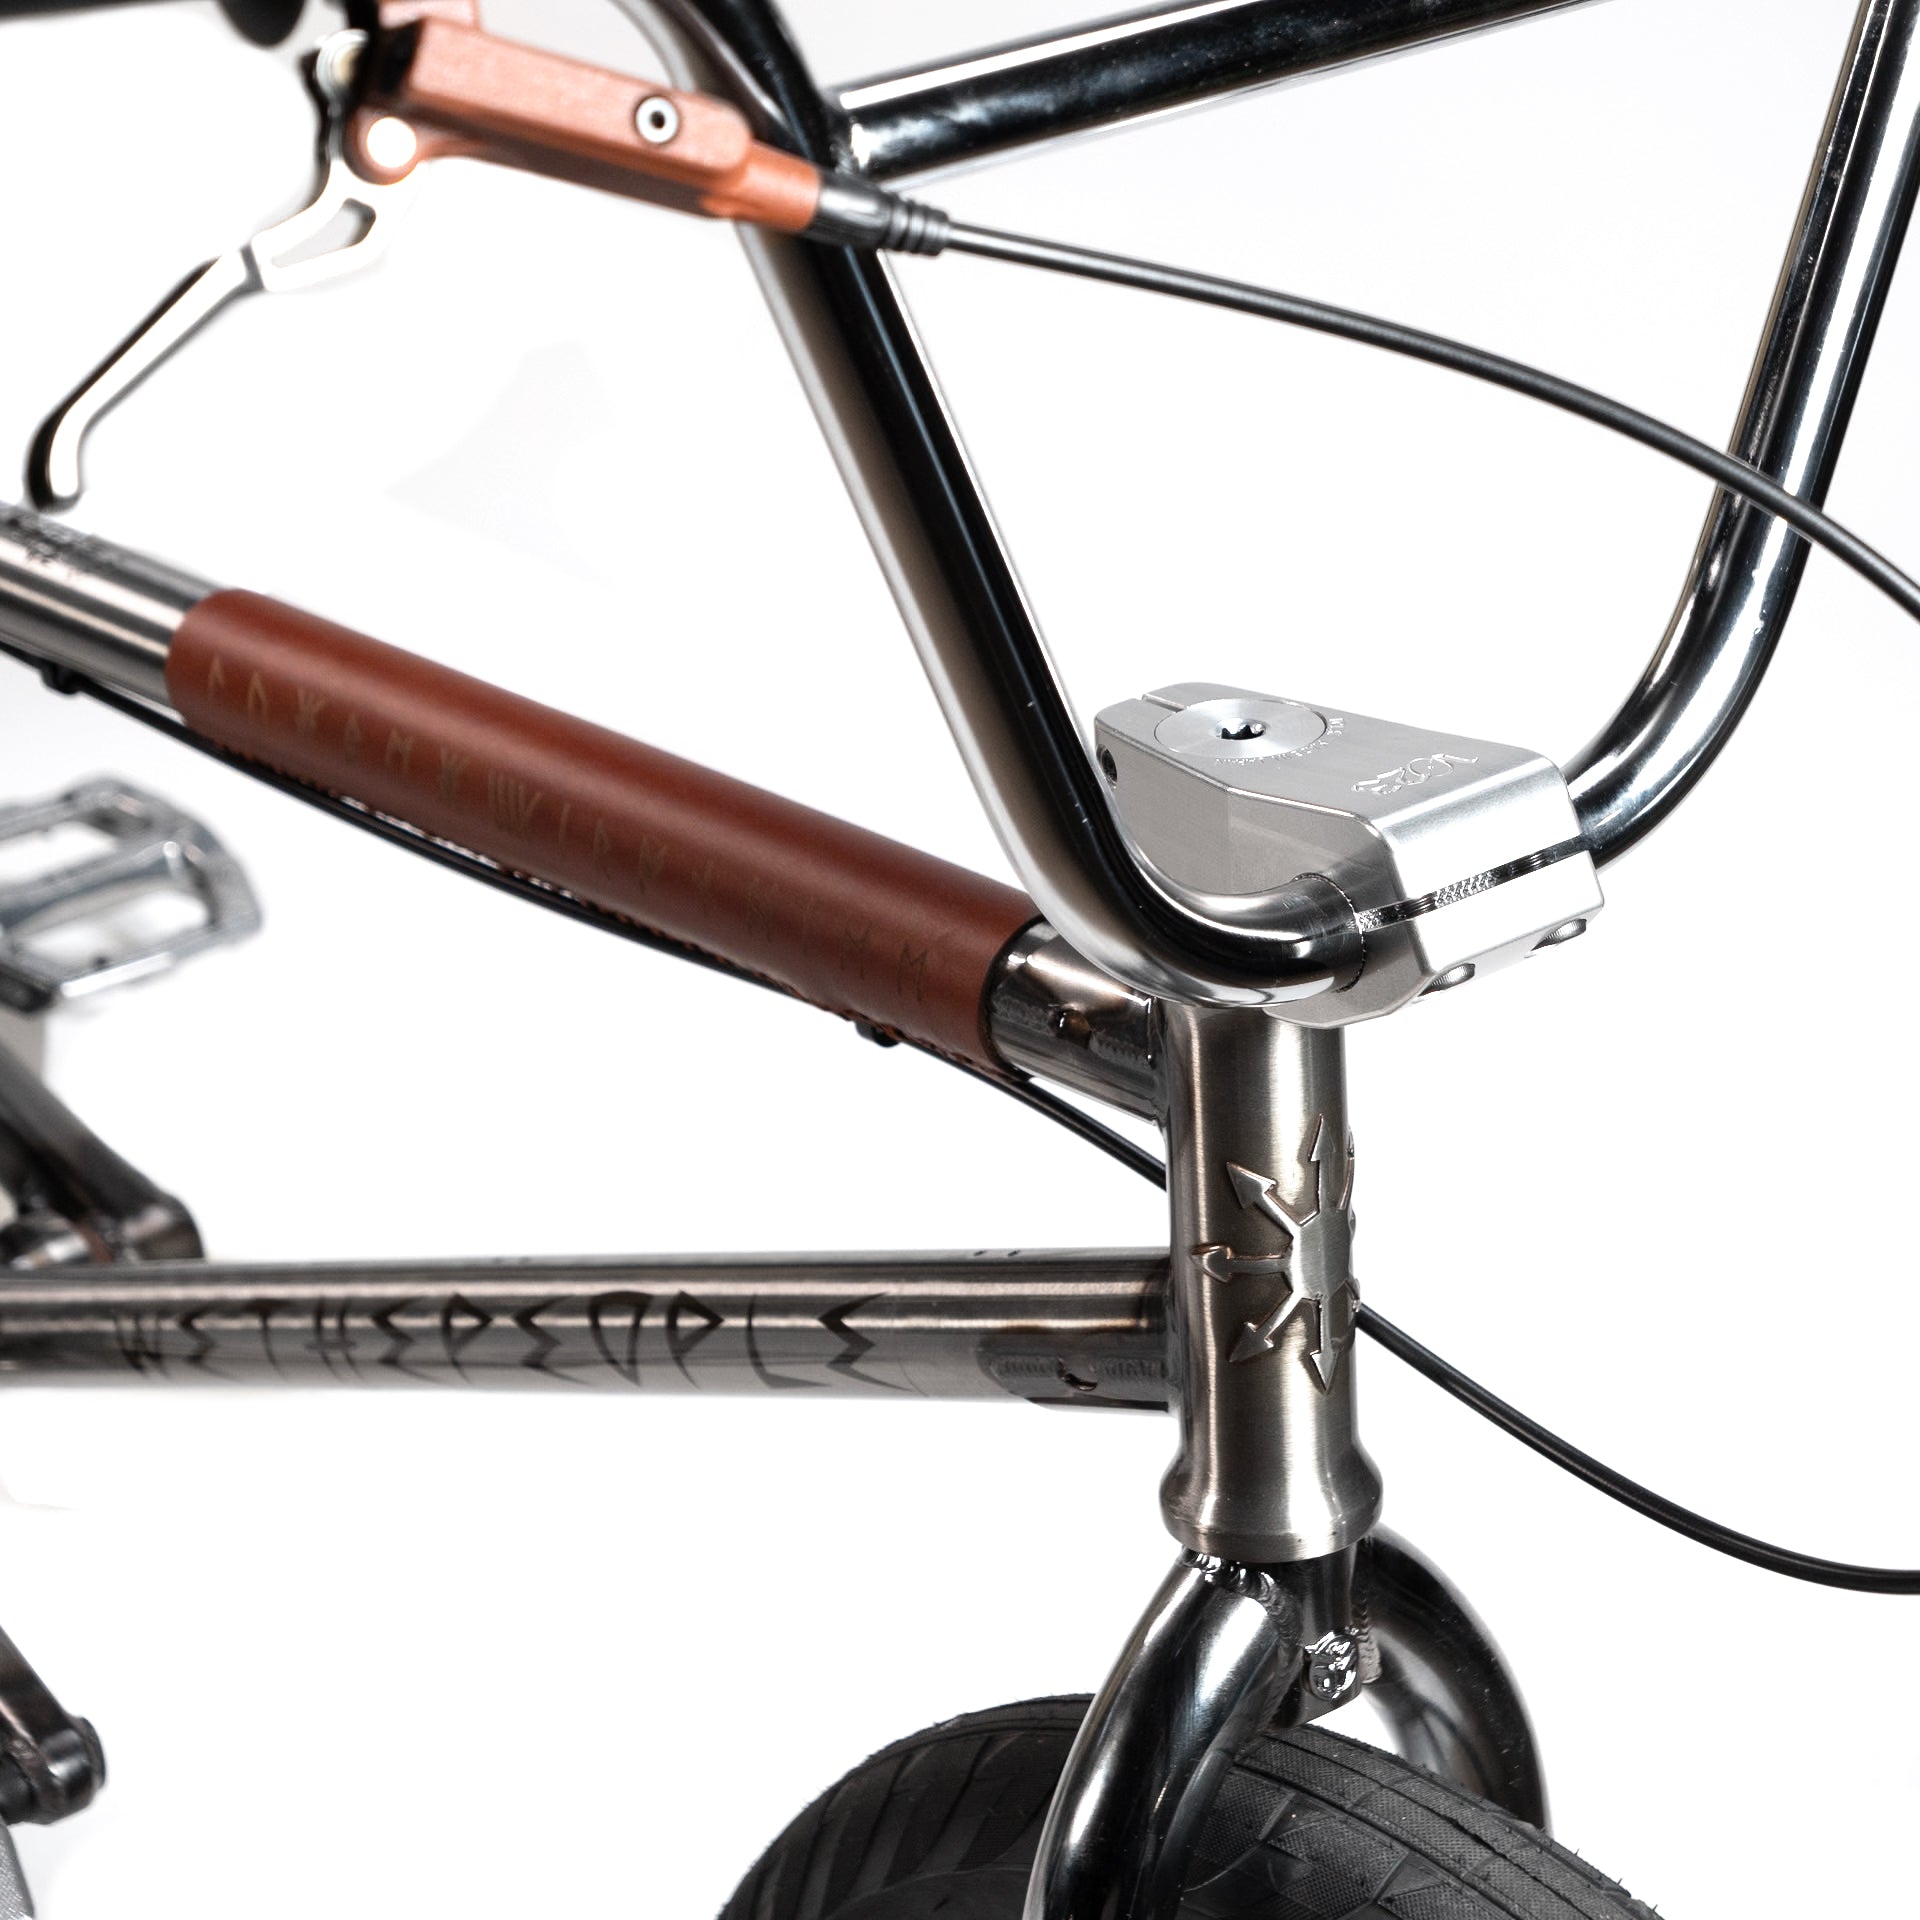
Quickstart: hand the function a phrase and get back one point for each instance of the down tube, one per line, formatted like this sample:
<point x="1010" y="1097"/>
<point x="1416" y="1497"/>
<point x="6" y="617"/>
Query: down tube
<point x="1068" y="1329"/>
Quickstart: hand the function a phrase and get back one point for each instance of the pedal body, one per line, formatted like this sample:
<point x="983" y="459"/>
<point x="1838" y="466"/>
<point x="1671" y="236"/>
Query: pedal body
<point x="151" y="849"/>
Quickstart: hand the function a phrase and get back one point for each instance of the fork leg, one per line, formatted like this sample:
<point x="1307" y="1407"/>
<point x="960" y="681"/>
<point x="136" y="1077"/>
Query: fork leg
<point x="1443" y="1688"/>
<point x="1206" y="1668"/>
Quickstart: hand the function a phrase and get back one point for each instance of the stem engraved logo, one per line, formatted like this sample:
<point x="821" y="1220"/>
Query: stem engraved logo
<point x="1316" y="1267"/>
<point x="1416" y="773"/>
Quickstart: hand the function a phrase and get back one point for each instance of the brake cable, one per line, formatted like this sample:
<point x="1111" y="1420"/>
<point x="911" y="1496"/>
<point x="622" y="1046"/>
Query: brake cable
<point x="1529" y="1432"/>
<point x="1318" y="316"/>
<point x="1616" y="1486"/>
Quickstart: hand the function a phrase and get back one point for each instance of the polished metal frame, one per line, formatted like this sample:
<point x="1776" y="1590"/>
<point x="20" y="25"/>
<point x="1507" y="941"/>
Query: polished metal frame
<point x="1286" y="1597"/>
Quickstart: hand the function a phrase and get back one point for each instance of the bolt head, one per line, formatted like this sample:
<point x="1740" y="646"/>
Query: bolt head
<point x="1333" y="1666"/>
<point x="656" y="120"/>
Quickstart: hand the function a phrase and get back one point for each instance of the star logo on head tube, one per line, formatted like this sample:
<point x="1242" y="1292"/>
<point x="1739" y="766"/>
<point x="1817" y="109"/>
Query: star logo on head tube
<point x="1317" y="1265"/>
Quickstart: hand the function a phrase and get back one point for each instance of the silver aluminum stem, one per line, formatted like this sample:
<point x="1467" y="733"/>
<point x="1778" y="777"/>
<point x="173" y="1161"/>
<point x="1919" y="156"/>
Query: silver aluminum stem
<point x="1260" y="1291"/>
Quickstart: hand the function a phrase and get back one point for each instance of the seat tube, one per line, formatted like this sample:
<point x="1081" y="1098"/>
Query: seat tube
<point x="1261" y="1294"/>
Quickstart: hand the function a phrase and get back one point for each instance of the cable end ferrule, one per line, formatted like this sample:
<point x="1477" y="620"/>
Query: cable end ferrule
<point x="853" y="212"/>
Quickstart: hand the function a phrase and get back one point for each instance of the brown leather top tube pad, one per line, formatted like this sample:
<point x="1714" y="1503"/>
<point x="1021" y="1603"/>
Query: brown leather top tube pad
<point x="851" y="921"/>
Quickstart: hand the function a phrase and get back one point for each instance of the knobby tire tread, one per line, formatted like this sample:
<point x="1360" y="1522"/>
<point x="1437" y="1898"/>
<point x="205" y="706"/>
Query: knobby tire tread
<point x="1308" y="1825"/>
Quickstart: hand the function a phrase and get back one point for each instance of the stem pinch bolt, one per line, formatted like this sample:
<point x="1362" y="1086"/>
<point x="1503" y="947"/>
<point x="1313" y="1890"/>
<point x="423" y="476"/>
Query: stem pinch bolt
<point x="656" y="120"/>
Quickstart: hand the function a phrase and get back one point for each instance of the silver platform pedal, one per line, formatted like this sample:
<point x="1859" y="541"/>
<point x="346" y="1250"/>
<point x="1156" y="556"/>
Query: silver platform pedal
<point x="82" y="926"/>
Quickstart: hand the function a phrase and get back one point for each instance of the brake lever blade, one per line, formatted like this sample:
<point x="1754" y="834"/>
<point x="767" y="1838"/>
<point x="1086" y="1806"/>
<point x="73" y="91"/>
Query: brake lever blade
<point x="54" y="479"/>
<point x="271" y="262"/>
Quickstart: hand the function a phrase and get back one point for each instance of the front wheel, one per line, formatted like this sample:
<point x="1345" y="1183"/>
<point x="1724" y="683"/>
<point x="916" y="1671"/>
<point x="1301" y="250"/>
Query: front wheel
<point x="1306" y="1826"/>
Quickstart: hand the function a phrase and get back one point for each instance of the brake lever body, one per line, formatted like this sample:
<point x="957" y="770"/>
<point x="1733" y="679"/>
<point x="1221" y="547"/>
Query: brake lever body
<point x="417" y="80"/>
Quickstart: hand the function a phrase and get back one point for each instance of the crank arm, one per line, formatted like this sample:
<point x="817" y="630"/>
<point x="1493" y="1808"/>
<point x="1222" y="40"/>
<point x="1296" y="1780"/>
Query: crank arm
<point x="51" y="1765"/>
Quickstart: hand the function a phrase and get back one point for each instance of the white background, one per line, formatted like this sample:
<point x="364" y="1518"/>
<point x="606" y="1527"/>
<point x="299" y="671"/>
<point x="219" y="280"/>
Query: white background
<point x="397" y="1655"/>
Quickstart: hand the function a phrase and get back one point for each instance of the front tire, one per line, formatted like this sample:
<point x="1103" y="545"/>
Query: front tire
<point x="1307" y="1826"/>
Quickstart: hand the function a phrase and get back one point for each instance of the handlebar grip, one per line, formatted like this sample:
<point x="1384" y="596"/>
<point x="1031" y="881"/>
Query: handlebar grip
<point x="847" y="919"/>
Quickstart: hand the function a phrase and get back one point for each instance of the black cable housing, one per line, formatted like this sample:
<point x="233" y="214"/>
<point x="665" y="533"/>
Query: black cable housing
<point x="1530" y="1433"/>
<point x="1318" y="316"/>
<point x="1616" y="1485"/>
<point x="1564" y="1454"/>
